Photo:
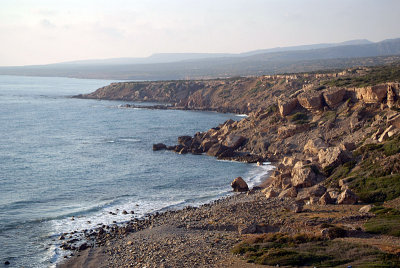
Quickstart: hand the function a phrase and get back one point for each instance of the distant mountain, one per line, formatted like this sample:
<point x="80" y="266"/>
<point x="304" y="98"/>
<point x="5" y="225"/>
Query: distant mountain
<point x="166" y="66"/>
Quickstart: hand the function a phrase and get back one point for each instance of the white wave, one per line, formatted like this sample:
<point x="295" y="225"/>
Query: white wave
<point x="242" y="115"/>
<point x="259" y="174"/>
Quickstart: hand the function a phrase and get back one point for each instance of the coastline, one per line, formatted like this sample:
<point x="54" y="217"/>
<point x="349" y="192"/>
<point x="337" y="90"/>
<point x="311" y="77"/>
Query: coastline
<point x="159" y="225"/>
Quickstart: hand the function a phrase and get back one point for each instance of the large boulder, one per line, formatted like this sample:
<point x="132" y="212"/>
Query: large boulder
<point x="326" y="199"/>
<point x="315" y="191"/>
<point x="311" y="100"/>
<point x="286" y="106"/>
<point x="313" y="146"/>
<point x="347" y="197"/>
<point x="239" y="185"/>
<point x="217" y="149"/>
<point x="334" y="96"/>
<point x="185" y="141"/>
<point x="332" y="157"/>
<point x="303" y="175"/>
<point x="372" y="94"/>
<point x="207" y="143"/>
<point x="290" y="192"/>
<point x="234" y="141"/>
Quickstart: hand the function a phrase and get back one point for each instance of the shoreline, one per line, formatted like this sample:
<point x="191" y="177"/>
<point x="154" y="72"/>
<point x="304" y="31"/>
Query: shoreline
<point x="94" y="240"/>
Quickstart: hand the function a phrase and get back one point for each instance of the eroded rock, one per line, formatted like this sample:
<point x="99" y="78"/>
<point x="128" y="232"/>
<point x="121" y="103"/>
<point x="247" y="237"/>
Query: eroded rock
<point x="347" y="197"/>
<point x="239" y="185"/>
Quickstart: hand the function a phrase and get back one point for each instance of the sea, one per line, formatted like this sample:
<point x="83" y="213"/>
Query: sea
<point x="63" y="158"/>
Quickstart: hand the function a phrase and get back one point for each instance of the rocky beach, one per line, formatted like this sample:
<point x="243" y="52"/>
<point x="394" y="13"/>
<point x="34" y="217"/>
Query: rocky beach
<point x="332" y="200"/>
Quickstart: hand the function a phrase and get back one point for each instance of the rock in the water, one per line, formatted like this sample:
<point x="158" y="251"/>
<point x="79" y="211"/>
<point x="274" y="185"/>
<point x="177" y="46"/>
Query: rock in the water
<point x="159" y="146"/>
<point x="7" y="263"/>
<point x="347" y="197"/>
<point x="206" y="144"/>
<point x="234" y="141"/>
<point x="334" y="96"/>
<point x="185" y="141"/>
<point x="239" y="185"/>
<point x="303" y="175"/>
<point x="217" y="149"/>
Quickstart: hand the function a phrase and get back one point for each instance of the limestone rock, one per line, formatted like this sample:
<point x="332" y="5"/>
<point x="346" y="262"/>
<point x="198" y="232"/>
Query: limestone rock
<point x="385" y="134"/>
<point x="286" y="106"/>
<point x="372" y="94"/>
<point x="207" y="143"/>
<point x="288" y="131"/>
<point x="289" y="161"/>
<point x="332" y="157"/>
<point x="309" y="192"/>
<point x="234" y="141"/>
<point x="303" y="176"/>
<point x="270" y="193"/>
<point x="395" y="121"/>
<point x="347" y="197"/>
<point x="349" y="146"/>
<point x="291" y="192"/>
<point x="334" y="96"/>
<point x="159" y="146"/>
<point x="216" y="149"/>
<point x="366" y="209"/>
<point x="325" y="199"/>
<point x="313" y="146"/>
<point x="311" y="100"/>
<point x="185" y="140"/>
<point x="239" y="185"/>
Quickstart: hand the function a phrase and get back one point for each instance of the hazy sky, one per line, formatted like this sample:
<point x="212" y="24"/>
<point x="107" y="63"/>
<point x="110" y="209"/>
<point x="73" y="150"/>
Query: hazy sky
<point x="48" y="31"/>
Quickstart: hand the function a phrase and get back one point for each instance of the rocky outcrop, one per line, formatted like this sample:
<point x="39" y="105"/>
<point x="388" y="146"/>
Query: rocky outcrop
<point x="332" y="157"/>
<point x="313" y="146"/>
<point x="290" y="130"/>
<point x="239" y="185"/>
<point x="326" y="199"/>
<point x="303" y="175"/>
<point x="311" y="100"/>
<point x="334" y="96"/>
<point x="372" y="94"/>
<point x="286" y="106"/>
<point x="234" y="141"/>
<point x="347" y="197"/>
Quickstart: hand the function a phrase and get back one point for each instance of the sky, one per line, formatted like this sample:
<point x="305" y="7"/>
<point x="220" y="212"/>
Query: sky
<point x="49" y="31"/>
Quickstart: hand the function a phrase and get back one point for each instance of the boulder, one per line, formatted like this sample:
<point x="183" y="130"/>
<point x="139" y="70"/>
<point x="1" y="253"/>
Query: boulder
<point x="234" y="141"/>
<point x="349" y="146"/>
<point x="216" y="149"/>
<point x="185" y="141"/>
<point x="311" y="100"/>
<point x="313" y="146"/>
<point x="365" y="209"/>
<point x="291" y="192"/>
<point x="334" y="96"/>
<point x="239" y="185"/>
<point x="372" y="94"/>
<point x="325" y="199"/>
<point x="303" y="175"/>
<point x="347" y="197"/>
<point x="207" y="143"/>
<point x="286" y="106"/>
<point x="309" y="192"/>
<point x="332" y="157"/>
<point x="159" y="146"/>
<point x="296" y="207"/>
<point x="270" y="193"/>
<point x="289" y="161"/>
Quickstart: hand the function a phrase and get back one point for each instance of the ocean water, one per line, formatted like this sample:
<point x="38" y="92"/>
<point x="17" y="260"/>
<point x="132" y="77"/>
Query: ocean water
<point x="62" y="157"/>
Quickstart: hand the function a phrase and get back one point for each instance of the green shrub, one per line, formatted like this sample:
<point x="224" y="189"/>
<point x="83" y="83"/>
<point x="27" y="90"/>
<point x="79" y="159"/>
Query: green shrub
<point x="387" y="221"/>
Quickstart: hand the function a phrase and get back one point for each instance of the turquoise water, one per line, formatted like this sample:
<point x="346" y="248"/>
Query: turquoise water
<point x="62" y="157"/>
